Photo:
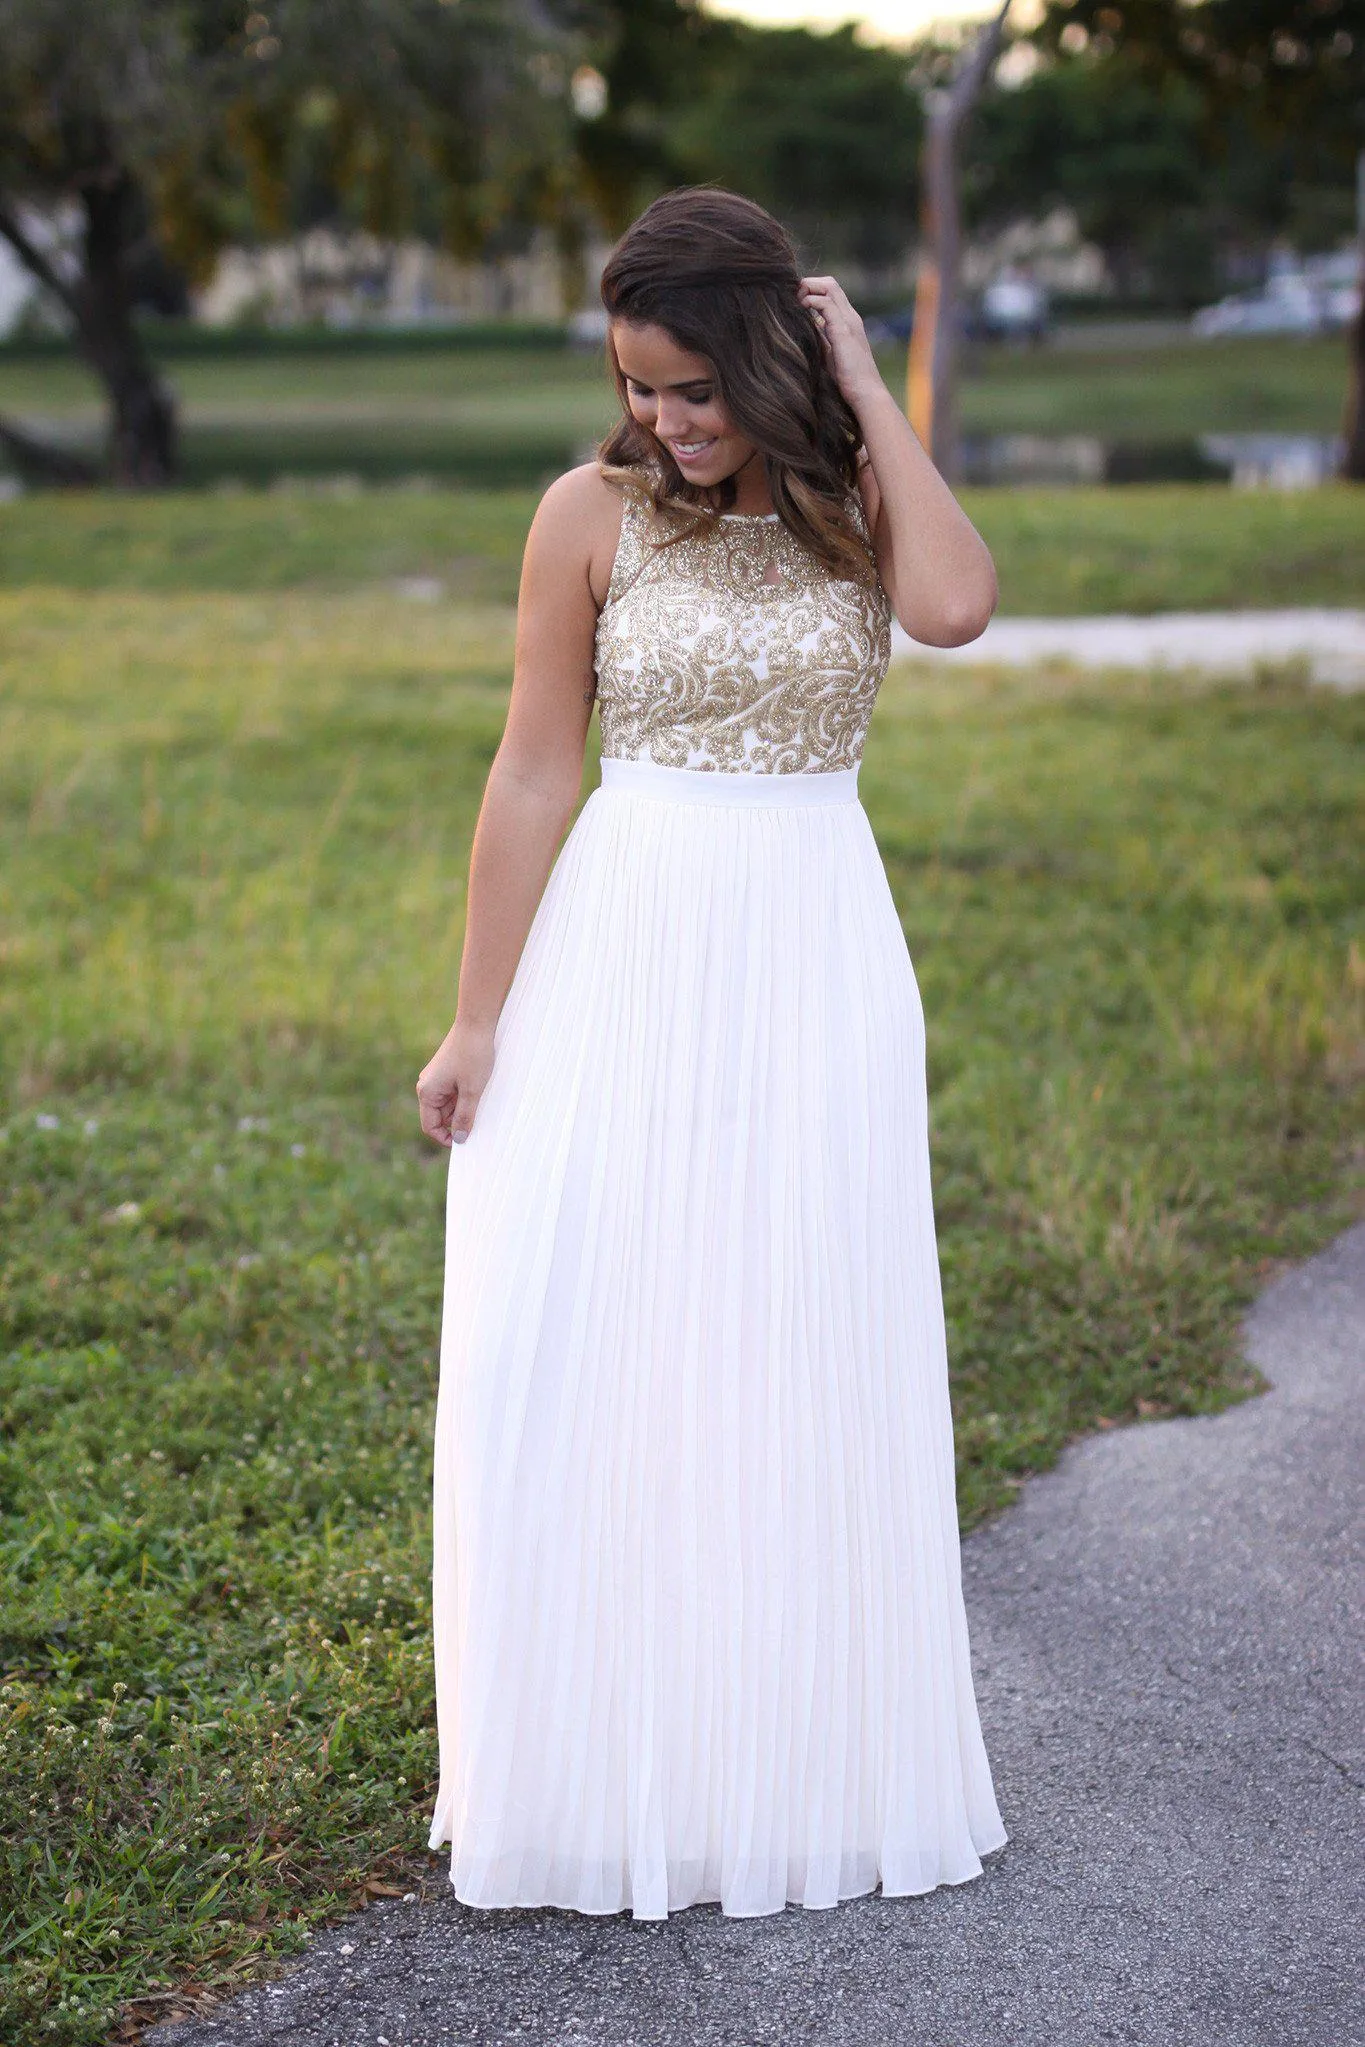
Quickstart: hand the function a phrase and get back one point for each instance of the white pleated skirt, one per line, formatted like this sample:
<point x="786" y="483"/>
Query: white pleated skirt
<point x="699" y="1630"/>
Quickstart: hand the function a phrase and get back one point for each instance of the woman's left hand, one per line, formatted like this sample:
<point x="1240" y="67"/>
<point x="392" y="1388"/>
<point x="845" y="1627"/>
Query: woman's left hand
<point x="847" y="348"/>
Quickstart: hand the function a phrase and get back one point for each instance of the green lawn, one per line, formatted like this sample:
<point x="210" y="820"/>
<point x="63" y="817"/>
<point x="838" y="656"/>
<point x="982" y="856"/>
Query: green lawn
<point x="1139" y="549"/>
<point x="234" y="824"/>
<point x="1253" y="385"/>
<point x="492" y="415"/>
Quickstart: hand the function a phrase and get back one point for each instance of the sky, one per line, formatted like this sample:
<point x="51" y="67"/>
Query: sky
<point x="885" y="19"/>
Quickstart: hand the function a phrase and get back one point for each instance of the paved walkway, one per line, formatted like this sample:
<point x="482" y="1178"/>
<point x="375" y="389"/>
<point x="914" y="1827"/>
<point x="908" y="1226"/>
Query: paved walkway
<point x="1331" y="644"/>
<point x="1169" y="1634"/>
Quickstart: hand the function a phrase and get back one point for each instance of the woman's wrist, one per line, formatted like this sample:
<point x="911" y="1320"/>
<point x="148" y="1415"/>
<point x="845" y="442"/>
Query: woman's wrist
<point x="471" y="1023"/>
<point x="873" y="405"/>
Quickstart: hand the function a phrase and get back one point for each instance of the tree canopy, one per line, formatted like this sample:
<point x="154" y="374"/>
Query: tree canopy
<point x="182" y="124"/>
<point x="159" y="131"/>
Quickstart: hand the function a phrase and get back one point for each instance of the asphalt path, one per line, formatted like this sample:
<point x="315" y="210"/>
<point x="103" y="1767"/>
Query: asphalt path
<point x="1327" y="646"/>
<point x="1169" y="1638"/>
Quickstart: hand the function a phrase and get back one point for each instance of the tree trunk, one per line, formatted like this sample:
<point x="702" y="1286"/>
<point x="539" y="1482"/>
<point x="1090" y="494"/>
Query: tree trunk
<point x="1353" y="456"/>
<point x="931" y="394"/>
<point x="933" y="339"/>
<point x="142" y="445"/>
<point x="142" y="440"/>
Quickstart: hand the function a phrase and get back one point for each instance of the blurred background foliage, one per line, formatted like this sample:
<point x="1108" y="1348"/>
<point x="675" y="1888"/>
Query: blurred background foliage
<point x="1185" y="140"/>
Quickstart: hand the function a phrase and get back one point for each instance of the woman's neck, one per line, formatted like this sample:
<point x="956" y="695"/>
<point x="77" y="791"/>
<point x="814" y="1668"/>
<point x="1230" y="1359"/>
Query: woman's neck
<point x="751" y="486"/>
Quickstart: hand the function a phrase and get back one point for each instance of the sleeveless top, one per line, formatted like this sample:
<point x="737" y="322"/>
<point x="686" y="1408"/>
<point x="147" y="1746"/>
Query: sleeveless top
<point x="736" y="649"/>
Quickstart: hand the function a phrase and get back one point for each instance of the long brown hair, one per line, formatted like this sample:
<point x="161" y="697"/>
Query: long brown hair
<point x="720" y="276"/>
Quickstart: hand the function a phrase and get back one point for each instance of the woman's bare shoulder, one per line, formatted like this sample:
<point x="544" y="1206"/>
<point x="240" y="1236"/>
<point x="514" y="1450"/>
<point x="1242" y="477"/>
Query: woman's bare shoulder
<point x="579" y="501"/>
<point x="578" y="525"/>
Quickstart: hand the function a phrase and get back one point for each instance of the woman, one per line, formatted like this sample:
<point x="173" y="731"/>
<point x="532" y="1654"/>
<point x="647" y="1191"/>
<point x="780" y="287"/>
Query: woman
<point x="698" y="1621"/>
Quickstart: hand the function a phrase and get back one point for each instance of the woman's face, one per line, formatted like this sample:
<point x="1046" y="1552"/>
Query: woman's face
<point x="673" y="393"/>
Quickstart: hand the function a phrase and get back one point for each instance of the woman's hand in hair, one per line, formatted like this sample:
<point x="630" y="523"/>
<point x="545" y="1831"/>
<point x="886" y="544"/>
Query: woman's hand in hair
<point x="847" y="348"/>
<point x="934" y="566"/>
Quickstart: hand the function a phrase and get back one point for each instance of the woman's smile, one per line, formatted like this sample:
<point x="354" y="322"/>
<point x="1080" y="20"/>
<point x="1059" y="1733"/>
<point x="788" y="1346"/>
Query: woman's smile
<point x="692" y="451"/>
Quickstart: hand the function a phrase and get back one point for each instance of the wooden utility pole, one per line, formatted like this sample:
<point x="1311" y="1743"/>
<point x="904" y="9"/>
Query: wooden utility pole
<point x="931" y="377"/>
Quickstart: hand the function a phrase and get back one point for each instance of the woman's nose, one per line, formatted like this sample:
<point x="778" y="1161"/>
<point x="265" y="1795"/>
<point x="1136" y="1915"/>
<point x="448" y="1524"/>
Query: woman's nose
<point x="672" y="422"/>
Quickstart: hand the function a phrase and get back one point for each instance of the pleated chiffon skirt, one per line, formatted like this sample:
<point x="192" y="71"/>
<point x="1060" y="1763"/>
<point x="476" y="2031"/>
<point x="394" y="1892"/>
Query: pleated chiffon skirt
<point x="699" y="1630"/>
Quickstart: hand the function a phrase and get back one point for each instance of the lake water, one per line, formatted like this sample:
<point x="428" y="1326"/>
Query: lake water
<point x="338" y="462"/>
<point x="1246" y="461"/>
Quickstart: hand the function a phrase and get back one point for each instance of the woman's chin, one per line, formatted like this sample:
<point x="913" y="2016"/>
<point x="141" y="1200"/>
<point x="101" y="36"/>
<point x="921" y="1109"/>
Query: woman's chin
<point x="708" y="475"/>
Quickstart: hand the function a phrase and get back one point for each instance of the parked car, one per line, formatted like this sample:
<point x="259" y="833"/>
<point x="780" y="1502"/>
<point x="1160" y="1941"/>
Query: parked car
<point x="885" y="328"/>
<point x="1320" y="294"/>
<point x="1013" y="307"/>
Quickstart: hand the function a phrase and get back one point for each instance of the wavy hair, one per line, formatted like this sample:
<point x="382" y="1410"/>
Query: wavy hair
<point x="720" y="276"/>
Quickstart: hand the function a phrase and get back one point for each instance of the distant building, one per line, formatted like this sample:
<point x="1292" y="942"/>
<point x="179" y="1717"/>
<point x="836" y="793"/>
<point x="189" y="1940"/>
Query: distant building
<point x="1050" y="251"/>
<point x="350" y="279"/>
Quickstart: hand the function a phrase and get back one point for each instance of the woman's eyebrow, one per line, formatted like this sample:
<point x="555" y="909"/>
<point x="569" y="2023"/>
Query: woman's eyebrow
<point x="687" y="384"/>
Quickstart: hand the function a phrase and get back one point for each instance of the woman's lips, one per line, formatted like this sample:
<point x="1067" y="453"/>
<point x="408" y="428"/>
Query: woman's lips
<point x="691" y="454"/>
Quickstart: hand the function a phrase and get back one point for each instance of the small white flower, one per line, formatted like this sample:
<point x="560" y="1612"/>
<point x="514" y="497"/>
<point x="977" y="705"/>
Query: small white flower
<point x="48" y="1122"/>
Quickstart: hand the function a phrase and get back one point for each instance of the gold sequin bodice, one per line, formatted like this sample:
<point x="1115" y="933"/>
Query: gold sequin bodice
<point x="737" y="650"/>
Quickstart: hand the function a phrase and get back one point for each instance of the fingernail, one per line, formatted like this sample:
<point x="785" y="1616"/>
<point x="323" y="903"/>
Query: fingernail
<point x="459" y="1136"/>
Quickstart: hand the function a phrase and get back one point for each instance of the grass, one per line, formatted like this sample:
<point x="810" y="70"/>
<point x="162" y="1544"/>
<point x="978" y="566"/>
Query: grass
<point x="234" y="823"/>
<point x="1254" y="385"/>
<point x="499" y="415"/>
<point x="1147" y="548"/>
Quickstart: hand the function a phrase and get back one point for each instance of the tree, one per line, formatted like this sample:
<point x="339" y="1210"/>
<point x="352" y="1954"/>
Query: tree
<point x="818" y="127"/>
<point x="1293" y="71"/>
<point x="181" y="124"/>
<point x="1122" y="150"/>
<point x="650" y="55"/>
<point x="931" y="376"/>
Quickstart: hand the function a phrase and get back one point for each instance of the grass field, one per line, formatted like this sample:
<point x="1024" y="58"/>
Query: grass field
<point x="501" y="415"/>
<point x="238" y="778"/>
<point x="1140" y="549"/>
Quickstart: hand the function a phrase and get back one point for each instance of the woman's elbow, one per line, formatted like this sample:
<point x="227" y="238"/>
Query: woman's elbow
<point x="959" y="618"/>
<point x="549" y="783"/>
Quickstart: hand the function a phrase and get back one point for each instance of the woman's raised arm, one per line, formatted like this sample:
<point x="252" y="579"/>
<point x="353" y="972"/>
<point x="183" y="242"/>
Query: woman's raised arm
<point x="934" y="565"/>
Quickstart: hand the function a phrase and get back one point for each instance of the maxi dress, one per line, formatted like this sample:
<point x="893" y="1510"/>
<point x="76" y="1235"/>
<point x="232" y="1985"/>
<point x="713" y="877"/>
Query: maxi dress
<point x="698" y="1618"/>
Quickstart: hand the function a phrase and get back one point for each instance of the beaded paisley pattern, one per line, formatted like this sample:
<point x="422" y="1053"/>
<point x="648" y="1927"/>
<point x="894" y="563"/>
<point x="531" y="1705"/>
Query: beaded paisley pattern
<point x="737" y="650"/>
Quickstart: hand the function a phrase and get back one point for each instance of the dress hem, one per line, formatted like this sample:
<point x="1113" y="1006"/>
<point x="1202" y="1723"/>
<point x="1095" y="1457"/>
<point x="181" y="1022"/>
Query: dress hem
<point x="561" y="1904"/>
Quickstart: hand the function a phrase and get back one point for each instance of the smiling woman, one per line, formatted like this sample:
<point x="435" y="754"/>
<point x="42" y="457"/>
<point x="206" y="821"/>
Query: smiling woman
<point x="699" y="1629"/>
<point x="744" y="385"/>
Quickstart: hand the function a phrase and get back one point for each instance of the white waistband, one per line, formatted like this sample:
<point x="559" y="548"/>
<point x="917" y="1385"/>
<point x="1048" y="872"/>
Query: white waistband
<point x="710" y="785"/>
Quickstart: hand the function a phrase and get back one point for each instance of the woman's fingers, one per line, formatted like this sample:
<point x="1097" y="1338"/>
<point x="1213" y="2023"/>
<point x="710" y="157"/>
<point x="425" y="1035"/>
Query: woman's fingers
<point x="451" y="1083"/>
<point x="434" y="1113"/>
<point x="462" y="1122"/>
<point x="447" y="1118"/>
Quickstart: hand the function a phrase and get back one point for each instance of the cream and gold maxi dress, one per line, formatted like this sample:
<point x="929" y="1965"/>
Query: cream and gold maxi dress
<point x="699" y="1630"/>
